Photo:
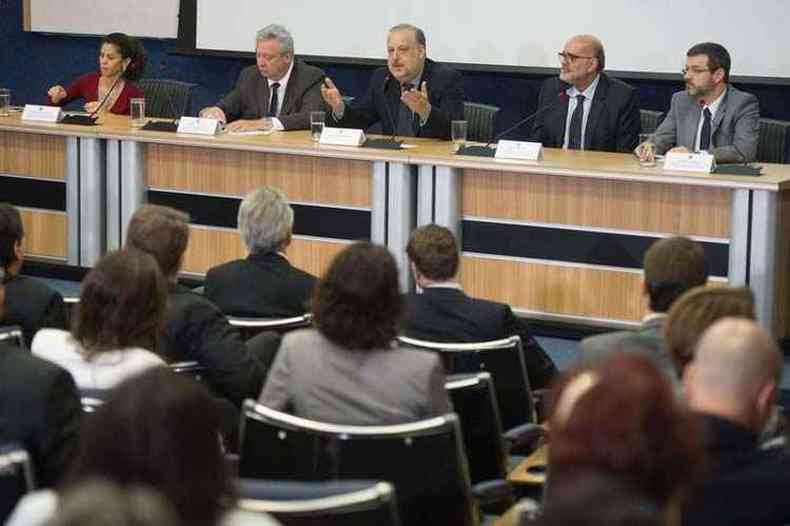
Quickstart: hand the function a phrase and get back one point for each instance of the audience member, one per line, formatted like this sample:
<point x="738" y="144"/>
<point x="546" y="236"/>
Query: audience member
<point x="671" y="267"/>
<point x="194" y="328"/>
<point x="115" y="329"/>
<point x="29" y="303"/>
<point x="265" y="284"/>
<point x="347" y="370"/>
<point x="441" y="312"/>
<point x="731" y="384"/>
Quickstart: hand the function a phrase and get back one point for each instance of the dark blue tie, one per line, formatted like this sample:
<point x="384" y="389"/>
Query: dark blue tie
<point x="274" y="102"/>
<point x="575" y="133"/>
<point x="704" y="136"/>
<point x="406" y="116"/>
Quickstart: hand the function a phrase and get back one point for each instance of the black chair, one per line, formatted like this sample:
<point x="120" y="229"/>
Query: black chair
<point x="12" y="335"/>
<point x="504" y="360"/>
<point x="188" y="368"/>
<point x="480" y="119"/>
<point x="72" y="304"/>
<point x="650" y="120"/>
<point x="92" y="399"/>
<point x="165" y="98"/>
<point x="250" y="327"/>
<point x="773" y="145"/>
<point x="333" y="503"/>
<point x="423" y="460"/>
<point x="16" y="477"/>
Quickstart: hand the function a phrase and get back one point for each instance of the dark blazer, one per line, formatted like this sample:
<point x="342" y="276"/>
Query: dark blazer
<point x="195" y="329"/>
<point x="746" y="485"/>
<point x="40" y="409"/>
<point x="448" y="315"/>
<point x="32" y="304"/>
<point x="262" y="285"/>
<point x="381" y="102"/>
<point x="613" y="124"/>
<point x="250" y="98"/>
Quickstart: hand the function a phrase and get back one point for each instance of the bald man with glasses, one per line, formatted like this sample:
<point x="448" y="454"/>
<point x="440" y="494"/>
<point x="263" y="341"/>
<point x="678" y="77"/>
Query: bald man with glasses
<point x="584" y="108"/>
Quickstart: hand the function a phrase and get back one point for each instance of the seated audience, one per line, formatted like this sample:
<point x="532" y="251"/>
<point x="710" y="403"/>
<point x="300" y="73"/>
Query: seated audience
<point x="158" y="430"/>
<point x="440" y="311"/>
<point x="29" y="303"/>
<point x="671" y="267"/>
<point x="731" y="384"/>
<point x="115" y="329"/>
<point x="194" y="328"/>
<point x="121" y="62"/>
<point x="348" y="370"/>
<point x="265" y="284"/>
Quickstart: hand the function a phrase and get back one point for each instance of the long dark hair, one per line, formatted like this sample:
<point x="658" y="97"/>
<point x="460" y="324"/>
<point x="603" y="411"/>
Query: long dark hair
<point x="130" y="48"/>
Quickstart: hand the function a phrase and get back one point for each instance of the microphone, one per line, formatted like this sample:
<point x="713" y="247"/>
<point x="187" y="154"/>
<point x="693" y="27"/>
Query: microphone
<point x="90" y="120"/>
<point x="168" y="125"/>
<point x="392" y="143"/>
<point x="487" y="151"/>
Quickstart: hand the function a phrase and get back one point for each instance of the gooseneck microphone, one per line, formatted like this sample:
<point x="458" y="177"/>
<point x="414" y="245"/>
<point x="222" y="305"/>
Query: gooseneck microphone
<point x="392" y="143"/>
<point x="168" y="125"/>
<point x="90" y="120"/>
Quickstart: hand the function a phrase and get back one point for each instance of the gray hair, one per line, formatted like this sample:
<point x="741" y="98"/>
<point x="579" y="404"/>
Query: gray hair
<point x="278" y="33"/>
<point x="419" y="34"/>
<point x="265" y="220"/>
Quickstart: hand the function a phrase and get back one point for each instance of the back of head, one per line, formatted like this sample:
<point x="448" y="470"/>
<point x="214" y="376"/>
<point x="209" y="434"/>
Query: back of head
<point x="158" y="429"/>
<point x="162" y="232"/>
<point x="434" y="252"/>
<point x="131" y="48"/>
<point x="122" y="303"/>
<point x="672" y="266"/>
<point x="265" y="220"/>
<point x="11" y="233"/>
<point x="697" y="310"/>
<point x="357" y="304"/>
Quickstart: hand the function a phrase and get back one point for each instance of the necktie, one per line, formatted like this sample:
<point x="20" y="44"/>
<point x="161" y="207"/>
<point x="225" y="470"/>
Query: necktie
<point x="575" y="133"/>
<point x="405" y="116"/>
<point x="704" y="136"/>
<point x="273" y="104"/>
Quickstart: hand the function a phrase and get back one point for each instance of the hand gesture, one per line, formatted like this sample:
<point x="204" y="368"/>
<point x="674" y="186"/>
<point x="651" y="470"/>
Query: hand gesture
<point x="417" y="101"/>
<point x="91" y="107"/>
<point x="332" y="95"/>
<point x="213" y="112"/>
<point x="57" y="93"/>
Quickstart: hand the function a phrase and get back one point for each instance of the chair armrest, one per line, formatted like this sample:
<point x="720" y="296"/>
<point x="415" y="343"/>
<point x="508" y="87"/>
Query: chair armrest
<point x="524" y="438"/>
<point x="492" y="491"/>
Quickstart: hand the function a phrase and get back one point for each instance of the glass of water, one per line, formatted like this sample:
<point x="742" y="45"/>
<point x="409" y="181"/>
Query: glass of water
<point x="458" y="134"/>
<point x="5" y="102"/>
<point x="317" y="119"/>
<point x="137" y="112"/>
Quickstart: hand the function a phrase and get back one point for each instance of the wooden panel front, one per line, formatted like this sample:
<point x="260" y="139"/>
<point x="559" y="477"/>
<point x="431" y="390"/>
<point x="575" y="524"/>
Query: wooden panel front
<point x="210" y="247"/>
<point x="45" y="233"/>
<point x="341" y="182"/>
<point x="33" y="155"/>
<point x="647" y="207"/>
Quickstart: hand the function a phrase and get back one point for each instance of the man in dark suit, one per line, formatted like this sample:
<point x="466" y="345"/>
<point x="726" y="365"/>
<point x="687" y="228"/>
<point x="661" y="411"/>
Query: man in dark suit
<point x="710" y="114"/>
<point x="442" y="312"/>
<point x="265" y="284"/>
<point x="585" y="109"/>
<point x="412" y="97"/>
<point x="732" y="386"/>
<point x="278" y="87"/>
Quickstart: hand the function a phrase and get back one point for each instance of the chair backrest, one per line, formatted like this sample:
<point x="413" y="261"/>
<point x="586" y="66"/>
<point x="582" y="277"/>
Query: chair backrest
<point x="250" y="327"/>
<point x="504" y="359"/>
<point x="474" y="401"/>
<point x="16" y="477"/>
<point x="424" y="460"/>
<point x="72" y="304"/>
<point x="166" y="98"/>
<point x="12" y="335"/>
<point x="188" y="368"/>
<point x="333" y="503"/>
<point x="480" y="119"/>
<point x="92" y="399"/>
<point x="773" y="145"/>
<point x="650" y="120"/>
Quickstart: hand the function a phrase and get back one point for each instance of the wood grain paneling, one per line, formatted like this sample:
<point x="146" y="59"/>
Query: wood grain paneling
<point x="306" y="179"/>
<point x="45" y="233"/>
<point x="33" y="155"/>
<point x="210" y="247"/>
<point x="648" y="207"/>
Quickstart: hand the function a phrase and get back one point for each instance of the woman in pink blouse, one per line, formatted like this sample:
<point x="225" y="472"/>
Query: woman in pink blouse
<point x="121" y="61"/>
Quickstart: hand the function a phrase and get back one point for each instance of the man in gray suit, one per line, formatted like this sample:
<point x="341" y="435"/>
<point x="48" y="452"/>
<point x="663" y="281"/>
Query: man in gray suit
<point x="671" y="267"/>
<point x="277" y="87"/>
<point x="710" y="115"/>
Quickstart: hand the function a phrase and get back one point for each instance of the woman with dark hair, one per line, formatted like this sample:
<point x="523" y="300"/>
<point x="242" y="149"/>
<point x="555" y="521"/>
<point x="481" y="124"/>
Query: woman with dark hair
<point x="347" y="370"/>
<point x="121" y="62"/>
<point x="160" y="430"/>
<point x="116" y="325"/>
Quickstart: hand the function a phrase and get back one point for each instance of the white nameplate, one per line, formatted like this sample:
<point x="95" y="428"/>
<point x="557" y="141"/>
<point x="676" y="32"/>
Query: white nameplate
<point x="34" y="112"/>
<point x="342" y="136"/>
<point x="524" y="151"/>
<point x="198" y="125"/>
<point x="689" y="162"/>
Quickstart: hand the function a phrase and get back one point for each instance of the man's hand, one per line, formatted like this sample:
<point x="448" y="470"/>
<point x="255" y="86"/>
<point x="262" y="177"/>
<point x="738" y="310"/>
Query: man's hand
<point x="679" y="149"/>
<point x="332" y="96"/>
<point x="213" y="112"/>
<point x="417" y="101"/>
<point x="248" y="125"/>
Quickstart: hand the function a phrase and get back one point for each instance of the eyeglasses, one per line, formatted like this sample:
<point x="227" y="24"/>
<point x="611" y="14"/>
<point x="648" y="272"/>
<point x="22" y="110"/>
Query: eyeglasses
<point x="694" y="71"/>
<point x="564" y="56"/>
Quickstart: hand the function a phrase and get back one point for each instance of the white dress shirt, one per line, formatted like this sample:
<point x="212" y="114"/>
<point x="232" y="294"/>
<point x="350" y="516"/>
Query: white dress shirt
<point x="588" y="93"/>
<point x="277" y="125"/>
<point x="713" y="107"/>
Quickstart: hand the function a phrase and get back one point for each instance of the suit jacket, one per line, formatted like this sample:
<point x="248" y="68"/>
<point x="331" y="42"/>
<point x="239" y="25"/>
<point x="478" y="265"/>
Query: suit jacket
<point x="250" y="98"/>
<point x="448" y="315"/>
<point x="32" y="304"/>
<point x="735" y="129"/>
<point x="263" y="285"/>
<point x="613" y="123"/>
<point x="747" y="485"/>
<point x="317" y="379"/>
<point x="382" y="102"/>
<point x="40" y="409"/>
